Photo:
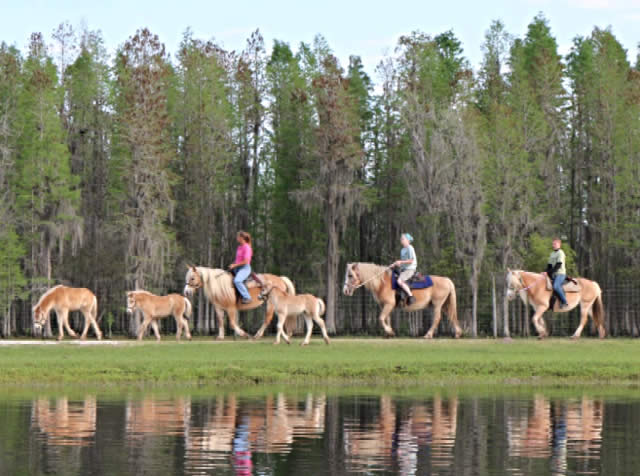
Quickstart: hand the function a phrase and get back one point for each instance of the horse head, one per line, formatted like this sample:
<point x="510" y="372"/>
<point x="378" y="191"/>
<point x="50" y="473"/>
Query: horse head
<point x="39" y="317"/>
<point x="193" y="281"/>
<point x="265" y="290"/>
<point x="514" y="283"/>
<point x="131" y="302"/>
<point x="351" y="279"/>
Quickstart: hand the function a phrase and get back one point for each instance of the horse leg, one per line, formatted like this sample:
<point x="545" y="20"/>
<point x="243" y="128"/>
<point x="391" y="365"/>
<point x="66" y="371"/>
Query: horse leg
<point x="60" y="326"/>
<point x="309" y="324"/>
<point x="156" y="331"/>
<point x="320" y="321"/>
<point x="584" y="317"/>
<point x="437" y="315"/>
<point x="268" y="317"/>
<point x="538" y="323"/>
<point x="233" y="320"/>
<point x="279" y="328"/>
<point x="220" y="318"/>
<point x="384" y="314"/>
<point x="87" y="320"/>
<point x="185" y="325"/>
<point x="96" y="328"/>
<point x="143" y="327"/>
<point x="65" y="323"/>
<point x="178" y="319"/>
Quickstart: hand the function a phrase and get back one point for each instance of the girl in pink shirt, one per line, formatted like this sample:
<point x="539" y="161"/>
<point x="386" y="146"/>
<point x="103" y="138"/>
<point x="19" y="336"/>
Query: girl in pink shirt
<point x="242" y="265"/>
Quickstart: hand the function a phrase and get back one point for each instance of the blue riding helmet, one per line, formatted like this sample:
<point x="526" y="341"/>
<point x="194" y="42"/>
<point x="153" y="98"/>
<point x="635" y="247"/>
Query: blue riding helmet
<point x="408" y="237"/>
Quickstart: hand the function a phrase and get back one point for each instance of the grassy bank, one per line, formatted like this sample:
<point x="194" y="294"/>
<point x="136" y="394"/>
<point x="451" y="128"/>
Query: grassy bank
<point x="395" y="362"/>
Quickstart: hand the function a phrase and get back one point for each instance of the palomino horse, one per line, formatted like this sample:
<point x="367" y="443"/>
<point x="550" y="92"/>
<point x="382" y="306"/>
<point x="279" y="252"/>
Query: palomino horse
<point x="532" y="288"/>
<point x="154" y="308"/>
<point x="377" y="279"/>
<point x="287" y="306"/>
<point x="220" y="291"/>
<point x="63" y="300"/>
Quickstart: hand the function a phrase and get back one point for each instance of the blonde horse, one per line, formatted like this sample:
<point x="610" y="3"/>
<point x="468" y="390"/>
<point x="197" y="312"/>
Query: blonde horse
<point x="377" y="279"/>
<point x="219" y="289"/>
<point x="532" y="288"/>
<point x="287" y="306"/>
<point x="62" y="300"/>
<point x="154" y="308"/>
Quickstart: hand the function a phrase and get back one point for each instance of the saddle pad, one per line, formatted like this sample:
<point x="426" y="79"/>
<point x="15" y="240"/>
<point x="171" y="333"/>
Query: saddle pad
<point x="426" y="282"/>
<point x="569" y="286"/>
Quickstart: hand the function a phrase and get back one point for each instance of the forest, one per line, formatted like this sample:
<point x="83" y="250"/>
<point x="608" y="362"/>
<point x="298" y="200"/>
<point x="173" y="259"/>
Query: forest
<point x="119" y="168"/>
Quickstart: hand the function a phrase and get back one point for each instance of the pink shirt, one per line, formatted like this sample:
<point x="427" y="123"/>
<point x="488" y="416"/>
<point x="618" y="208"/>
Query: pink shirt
<point x="244" y="252"/>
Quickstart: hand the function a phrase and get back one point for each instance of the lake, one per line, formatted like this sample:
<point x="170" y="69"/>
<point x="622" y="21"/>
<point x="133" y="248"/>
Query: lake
<point x="316" y="432"/>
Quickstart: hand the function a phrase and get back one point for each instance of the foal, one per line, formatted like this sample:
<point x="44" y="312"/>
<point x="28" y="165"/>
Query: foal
<point x="292" y="306"/>
<point x="154" y="308"/>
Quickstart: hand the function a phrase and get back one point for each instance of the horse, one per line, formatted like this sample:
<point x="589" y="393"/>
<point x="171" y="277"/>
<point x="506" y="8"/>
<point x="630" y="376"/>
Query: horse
<point x="292" y="306"/>
<point x="532" y="288"/>
<point x="377" y="279"/>
<point x="219" y="289"/>
<point x="62" y="300"/>
<point x="154" y="308"/>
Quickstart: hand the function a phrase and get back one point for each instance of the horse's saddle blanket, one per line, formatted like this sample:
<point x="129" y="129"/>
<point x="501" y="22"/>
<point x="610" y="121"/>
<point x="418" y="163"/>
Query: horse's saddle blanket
<point x="570" y="285"/>
<point x="418" y="281"/>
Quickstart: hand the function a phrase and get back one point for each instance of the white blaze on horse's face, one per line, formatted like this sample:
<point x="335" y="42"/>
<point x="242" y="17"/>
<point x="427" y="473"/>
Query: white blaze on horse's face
<point x="193" y="281"/>
<point x="39" y="319"/>
<point x="513" y="286"/>
<point x="349" y="280"/>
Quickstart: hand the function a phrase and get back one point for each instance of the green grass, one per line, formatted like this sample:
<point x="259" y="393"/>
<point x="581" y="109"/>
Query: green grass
<point x="353" y="362"/>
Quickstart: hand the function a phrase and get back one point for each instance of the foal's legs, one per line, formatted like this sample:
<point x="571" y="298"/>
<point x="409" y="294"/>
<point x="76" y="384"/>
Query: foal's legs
<point x="156" y="331"/>
<point x="178" y="326"/>
<point x="88" y="319"/>
<point x="65" y="322"/>
<point x="282" y="317"/>
<point x="60" y="324"/>
<point x="143" y="327"/>
<point x="309" y="324"/>
<point x="268" y="317"/>
<point x="320" y="321"/>
<point x="185" y="326"/>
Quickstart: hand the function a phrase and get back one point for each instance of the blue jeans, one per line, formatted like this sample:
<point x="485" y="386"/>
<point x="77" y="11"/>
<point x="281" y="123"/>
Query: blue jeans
<point x="242" y="273"/>
<point x="557" y="287"/>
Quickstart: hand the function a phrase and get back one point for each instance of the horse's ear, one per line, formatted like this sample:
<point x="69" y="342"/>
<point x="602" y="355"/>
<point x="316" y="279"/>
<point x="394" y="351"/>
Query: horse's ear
<point x="508" y="270"/>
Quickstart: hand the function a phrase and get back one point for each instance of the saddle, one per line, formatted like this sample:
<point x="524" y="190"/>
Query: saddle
<point x="417" y="281"/>
<point x="253" y="281"/>
<point x="570" y="285"/>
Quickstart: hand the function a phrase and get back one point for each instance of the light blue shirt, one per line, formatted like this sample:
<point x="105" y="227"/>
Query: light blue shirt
<point x="409" y="253"/>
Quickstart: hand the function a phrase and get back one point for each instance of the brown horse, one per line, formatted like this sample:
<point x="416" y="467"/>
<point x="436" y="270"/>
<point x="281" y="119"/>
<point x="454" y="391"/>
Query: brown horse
<point x="220" y="291"/>
<point x="377" y="279"/>
<point x="62" y="300"/>
<point x="154" y="308"/>
<point x="532" y="288"/>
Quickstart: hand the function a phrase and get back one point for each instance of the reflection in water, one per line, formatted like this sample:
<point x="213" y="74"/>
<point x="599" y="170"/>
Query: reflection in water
<point x="316" y="434"/>
<point x="64" y="423"/>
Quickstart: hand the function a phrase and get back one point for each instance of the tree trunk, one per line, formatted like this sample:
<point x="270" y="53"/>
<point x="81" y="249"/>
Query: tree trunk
<point x="333" y="258"/>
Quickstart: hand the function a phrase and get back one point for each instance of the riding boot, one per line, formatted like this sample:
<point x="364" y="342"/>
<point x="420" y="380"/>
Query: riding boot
<point x="552" y="301"/>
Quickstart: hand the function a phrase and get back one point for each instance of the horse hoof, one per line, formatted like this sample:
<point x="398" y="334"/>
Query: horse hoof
<point x="327" y="341"/>
<point x="428" y="336"/>
<point x="574" y="337"/>
<point x="219" y="338"/>
<point x="304" y="344"/>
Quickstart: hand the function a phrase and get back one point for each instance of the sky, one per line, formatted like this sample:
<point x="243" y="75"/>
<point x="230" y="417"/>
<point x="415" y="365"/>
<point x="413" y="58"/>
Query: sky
<point x="369" y="29"/>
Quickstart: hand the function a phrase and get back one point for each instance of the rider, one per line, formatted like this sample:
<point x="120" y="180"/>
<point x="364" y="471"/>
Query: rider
<point x="408" y="264"/>
<point x="242" y="265"/>
<point x="557" y="270"/>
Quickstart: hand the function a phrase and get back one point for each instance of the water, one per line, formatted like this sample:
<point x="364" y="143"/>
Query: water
<point x="315" y="433"/>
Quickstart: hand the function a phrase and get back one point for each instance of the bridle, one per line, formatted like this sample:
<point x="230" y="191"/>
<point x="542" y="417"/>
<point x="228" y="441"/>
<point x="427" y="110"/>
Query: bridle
<point x="353" y="287"/>
<point x="524" y="287"/>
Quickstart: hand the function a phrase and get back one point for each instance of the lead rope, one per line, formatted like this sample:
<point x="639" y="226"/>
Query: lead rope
<point x="374" y="277"/>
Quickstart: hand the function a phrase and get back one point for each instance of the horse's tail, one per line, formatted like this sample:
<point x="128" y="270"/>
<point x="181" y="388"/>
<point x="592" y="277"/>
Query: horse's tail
<point x="451" y="308"/>
<point x="187" y="307"/>
<point x="598" y="314"/>
<point x="291" y="289"/>
<point x="321" y="307"/>
<point x="94" y="308"/>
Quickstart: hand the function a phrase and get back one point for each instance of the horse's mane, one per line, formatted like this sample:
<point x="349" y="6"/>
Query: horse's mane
<point x="46" y="295"/>
<point x="217" y="284"/>
<point x="371" y="274"/>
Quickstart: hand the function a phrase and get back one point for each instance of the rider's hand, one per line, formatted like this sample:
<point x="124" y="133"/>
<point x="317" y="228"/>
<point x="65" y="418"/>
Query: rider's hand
<point x="231" y="266"/>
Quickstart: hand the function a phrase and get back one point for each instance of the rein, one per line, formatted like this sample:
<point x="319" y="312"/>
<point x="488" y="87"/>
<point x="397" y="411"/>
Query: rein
<point x="532" y="284"/>
<point x="373" y="277"/>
